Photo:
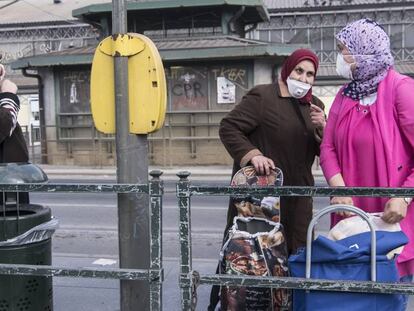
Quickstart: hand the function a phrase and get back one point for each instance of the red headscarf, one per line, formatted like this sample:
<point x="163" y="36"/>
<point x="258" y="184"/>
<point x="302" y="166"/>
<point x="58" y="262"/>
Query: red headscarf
<point x="290" y="64"/>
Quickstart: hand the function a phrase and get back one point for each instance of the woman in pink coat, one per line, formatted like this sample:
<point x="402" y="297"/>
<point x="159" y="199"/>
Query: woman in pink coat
<point x="369" y="136"/>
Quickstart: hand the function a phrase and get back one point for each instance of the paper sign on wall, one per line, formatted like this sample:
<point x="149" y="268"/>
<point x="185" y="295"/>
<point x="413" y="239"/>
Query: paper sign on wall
<point x="226" y="91"/>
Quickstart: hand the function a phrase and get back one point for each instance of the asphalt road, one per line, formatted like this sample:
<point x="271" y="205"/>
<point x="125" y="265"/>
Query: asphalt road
<point x="88" y="222"/>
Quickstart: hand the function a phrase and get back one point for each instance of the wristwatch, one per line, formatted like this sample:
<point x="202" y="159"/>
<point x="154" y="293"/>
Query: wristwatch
<point x="408" y="200"/>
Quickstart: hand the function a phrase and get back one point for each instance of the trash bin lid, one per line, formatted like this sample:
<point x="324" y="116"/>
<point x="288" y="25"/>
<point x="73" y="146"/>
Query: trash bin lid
<point x="21" y="173"/>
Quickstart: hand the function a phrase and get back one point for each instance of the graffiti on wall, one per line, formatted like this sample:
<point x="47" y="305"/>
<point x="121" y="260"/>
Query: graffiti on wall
<point x="9" y="55"/>
<point x="236" y="75"/>
<point x="202" y="88"/>
<point x="188" y="88"/>
<point x="12" y="51"/>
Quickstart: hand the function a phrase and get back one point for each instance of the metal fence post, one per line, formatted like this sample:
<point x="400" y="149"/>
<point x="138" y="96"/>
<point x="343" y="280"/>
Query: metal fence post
<point x="32" y="156"/>
<point x="156" y="190"/>
<point x="184" y="204"/>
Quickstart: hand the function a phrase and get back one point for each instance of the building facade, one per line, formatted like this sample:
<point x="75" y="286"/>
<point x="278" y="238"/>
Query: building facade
<point x="30" y="28"/>
<point x="212" y="56"/>
<point x="209" y="66"/>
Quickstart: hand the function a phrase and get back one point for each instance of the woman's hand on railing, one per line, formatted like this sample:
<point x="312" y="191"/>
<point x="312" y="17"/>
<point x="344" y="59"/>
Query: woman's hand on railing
<point x="395" y="210"/>
<point x="343" y="200"/>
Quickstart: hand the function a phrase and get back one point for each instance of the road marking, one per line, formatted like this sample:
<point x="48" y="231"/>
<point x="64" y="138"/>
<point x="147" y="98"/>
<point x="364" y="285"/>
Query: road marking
<point x="51" y="205"/>
<point x="207" y="233"/>
<point x="110" y="229"/>
<point x="116" y="257"/>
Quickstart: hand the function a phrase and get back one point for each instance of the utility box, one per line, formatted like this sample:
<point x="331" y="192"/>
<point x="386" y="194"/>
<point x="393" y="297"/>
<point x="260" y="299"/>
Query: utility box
<point x="25" y="238"/>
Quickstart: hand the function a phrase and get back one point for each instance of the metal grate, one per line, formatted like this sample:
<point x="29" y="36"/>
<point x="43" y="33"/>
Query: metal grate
<point x="23" y="304"/>
<point x="4" y="305"/>
<point x="32" y="285"/>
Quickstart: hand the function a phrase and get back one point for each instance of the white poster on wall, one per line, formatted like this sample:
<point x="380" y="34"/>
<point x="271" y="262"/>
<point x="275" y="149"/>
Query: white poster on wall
<point x="226" y="91"/>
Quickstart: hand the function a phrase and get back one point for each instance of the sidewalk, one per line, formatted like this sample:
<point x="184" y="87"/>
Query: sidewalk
<point x="218" y="172"/>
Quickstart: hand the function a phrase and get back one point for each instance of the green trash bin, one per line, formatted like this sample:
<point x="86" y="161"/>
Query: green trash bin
<point x="25" y="238"/>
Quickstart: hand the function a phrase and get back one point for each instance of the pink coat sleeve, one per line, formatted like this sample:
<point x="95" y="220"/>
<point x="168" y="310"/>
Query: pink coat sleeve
<point x="329" y="157"/>
<point x="405" y="113"/>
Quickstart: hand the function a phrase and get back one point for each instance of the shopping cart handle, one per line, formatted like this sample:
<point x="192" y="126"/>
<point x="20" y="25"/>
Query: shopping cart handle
<point x="336" y="208"/>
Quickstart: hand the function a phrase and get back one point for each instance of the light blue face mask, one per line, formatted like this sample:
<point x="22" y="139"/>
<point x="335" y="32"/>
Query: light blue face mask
<point x="297" y="89"/>
<point x="343" y="68"/>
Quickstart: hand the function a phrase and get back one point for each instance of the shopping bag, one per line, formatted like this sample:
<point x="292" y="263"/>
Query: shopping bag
<point x="348" y="259"/>
<point x="255" y="246"/>
<point x="253" y="205"/>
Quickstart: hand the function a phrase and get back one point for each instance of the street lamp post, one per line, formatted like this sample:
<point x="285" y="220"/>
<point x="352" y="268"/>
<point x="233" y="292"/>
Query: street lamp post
<point x="132" y="167"/>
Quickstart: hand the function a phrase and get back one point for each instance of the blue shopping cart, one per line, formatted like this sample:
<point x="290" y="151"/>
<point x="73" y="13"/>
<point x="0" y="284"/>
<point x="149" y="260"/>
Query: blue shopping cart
<point x="360" y="257"/>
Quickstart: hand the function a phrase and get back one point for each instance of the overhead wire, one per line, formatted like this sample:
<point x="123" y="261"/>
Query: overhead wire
<point x="8" y="4"/>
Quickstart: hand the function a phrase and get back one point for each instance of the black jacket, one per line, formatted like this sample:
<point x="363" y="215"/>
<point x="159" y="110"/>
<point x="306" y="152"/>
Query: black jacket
<point x="13" y="146"/>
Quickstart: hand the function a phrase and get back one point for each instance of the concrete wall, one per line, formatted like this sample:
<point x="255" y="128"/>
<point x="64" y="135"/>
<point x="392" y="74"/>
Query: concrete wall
<point x="262" y="71"/>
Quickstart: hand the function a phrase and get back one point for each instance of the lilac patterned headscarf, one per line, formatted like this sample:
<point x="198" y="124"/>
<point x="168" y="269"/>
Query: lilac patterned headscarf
<point x="370" y="47"/>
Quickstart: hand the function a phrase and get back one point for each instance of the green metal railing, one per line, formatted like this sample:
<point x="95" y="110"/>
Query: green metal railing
<point x="153" y="275"/>
<point x="191" y="279"/>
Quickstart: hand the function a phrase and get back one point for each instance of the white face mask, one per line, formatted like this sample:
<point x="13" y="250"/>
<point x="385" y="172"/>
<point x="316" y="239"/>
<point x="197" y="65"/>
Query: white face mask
<point x="297" y="88"/>
<point x="343" y="68"/>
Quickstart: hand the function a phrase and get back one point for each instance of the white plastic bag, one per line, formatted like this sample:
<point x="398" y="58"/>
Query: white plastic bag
<point x="355" y="225"/>
<point x="39" y="233"/>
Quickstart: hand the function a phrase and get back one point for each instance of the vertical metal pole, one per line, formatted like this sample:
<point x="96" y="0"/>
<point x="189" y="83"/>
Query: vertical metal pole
<point x="4" y="216"/>
<point x="32" y="156"/>
<point x="42" y="123"/>
<point x="170" y="136"/>
<point x="132" y="167"/>
<point x="156" y="191"/>
<point x="185" y="239"/>
<point x="95" y="153"/>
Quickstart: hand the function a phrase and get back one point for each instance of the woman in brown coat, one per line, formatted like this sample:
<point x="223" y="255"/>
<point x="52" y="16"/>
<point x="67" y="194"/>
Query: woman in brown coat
<point x="281" y="125"/>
